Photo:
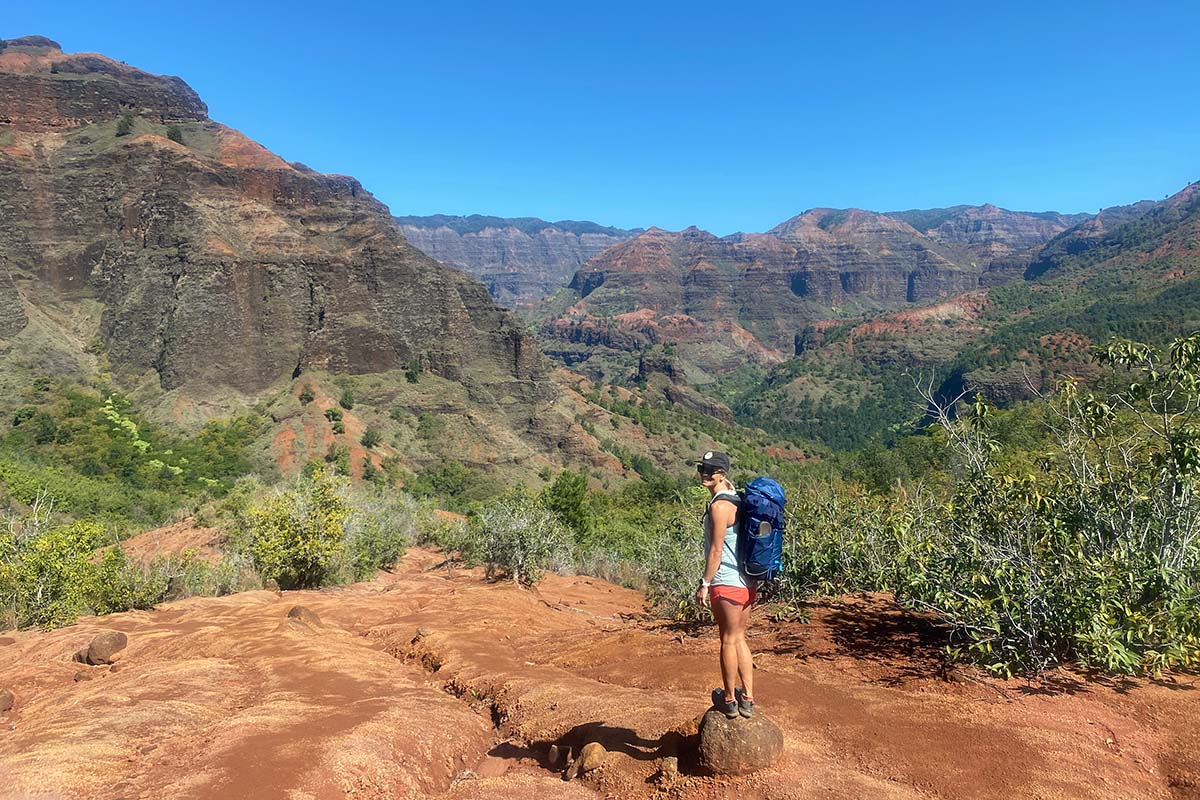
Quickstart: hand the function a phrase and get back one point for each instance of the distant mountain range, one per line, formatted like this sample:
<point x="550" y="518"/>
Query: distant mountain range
<point x="520" y="259"/>
<point x="743" y="298"/>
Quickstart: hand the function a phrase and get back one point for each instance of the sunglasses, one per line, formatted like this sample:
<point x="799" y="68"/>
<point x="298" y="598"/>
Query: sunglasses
<point x="707" y="472"/>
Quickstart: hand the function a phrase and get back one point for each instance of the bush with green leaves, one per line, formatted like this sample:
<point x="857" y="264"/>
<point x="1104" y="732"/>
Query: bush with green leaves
<point x="1088" y="553"/>
<point x="518" y="537"/>
<point x="379" y="528"/>
<point x="295" y="534"/>
<point x="52" y="573"/>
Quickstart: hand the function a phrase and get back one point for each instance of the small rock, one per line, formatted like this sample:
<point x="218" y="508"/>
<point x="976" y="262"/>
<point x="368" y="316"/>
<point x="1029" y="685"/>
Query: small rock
<point x="7" y="700"/>
<point x="738" y="746"/>
<point x="272" y="585"/>
<point x="553" y="755"/>
<point x="105" y="646"/>
<point x="116" y="666"/>
<point x="422" y="632"/>
<point x="668" y="772"/>
<point x="590" y="757"/>
<point x="80" y="655"/>
<point x="304" y="615"/>
<point x="83" y="675"/>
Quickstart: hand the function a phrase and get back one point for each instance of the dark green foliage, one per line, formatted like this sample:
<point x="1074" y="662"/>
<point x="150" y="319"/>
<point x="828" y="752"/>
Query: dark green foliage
<point x="567" y="497"/>
<point x="125" y="124"/>
<point x="346" y="400"/>
<point x="306" y="395"/>
<point x="333" y="414"/>
<point x="371" y="437"/>
<point x="455" y="485"/>
<point x="339" y="456"/>
<point x="175" y="134"/>
<point x="412" y="373"/>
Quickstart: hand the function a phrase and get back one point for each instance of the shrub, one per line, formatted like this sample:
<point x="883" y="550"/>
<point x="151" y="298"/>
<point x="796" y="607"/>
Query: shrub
<point x="306" y="395"/>
<point x="175" y="134"/>
<point x="295" y="534"/>
<point x="568" y="498"/>
<point x="125" y="124"/>
<point x="49" y="575"/>
<point x="516" y="536"/>
<point x="333" y="414"/>
<point x="379" y="528"/>
<point x="346" y="400"/>
<point x="371" y="437"/>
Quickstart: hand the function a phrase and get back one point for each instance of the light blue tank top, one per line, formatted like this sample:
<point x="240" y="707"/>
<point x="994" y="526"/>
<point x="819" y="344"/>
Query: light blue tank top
<point x="728" y="574"/>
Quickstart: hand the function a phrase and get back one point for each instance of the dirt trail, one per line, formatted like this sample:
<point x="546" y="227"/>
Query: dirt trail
<point x="420" y="684"/>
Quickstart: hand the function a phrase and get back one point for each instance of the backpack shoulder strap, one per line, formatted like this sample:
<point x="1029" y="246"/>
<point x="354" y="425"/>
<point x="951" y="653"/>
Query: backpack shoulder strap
<point x="731" y="497"/>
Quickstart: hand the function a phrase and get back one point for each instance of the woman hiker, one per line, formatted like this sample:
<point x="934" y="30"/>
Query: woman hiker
<point x="724" y="589"/>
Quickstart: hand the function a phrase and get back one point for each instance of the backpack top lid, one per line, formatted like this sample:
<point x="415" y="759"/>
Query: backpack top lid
<point x="768" y="488"/>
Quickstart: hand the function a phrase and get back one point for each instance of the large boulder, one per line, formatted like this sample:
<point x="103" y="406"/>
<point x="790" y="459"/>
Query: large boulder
<point x="105" y="646"/>
<point x="738" y="746"/>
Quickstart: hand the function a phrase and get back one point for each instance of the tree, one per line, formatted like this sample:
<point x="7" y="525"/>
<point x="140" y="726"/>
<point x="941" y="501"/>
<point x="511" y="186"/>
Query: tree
<point x="125" y="124"/>
<point x="567" y="497"/>
<point x="371" y="437"/>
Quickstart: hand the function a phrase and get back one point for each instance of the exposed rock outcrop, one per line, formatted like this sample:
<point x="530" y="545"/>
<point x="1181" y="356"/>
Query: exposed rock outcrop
<point x="219" y="264"/>
<point x="748" y="297"/>
<point x="519" y="260"/>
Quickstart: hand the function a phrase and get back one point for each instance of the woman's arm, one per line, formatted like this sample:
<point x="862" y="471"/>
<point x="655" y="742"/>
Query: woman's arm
<point x="721" y="515"/>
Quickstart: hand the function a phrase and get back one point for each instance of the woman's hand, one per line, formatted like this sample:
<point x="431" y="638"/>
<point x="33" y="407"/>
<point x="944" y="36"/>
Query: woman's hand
<point x="702" y="596"/>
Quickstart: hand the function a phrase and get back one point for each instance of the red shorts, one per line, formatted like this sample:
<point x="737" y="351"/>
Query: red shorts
<point x="732" y="594"/>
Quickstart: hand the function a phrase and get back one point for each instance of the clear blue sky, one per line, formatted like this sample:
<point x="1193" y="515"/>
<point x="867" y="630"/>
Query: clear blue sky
<point x="730" y="116"/>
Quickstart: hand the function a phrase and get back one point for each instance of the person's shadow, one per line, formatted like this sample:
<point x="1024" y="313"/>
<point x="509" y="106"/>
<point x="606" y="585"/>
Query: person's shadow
<point x="614" y="740"/>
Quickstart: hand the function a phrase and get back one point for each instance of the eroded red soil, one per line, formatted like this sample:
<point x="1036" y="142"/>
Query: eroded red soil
<point x="427" y="684"/>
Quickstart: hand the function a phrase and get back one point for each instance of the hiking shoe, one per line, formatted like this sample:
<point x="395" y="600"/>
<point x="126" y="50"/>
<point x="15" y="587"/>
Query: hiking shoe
<point x="729" y="709"/>
<point x="745" y="707"/>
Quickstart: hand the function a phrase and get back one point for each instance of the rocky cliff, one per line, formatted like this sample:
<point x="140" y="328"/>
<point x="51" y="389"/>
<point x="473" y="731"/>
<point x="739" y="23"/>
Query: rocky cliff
<point x="218" y="264"/>
<point x="520" y="260"/>
<point x="744" y="298"/>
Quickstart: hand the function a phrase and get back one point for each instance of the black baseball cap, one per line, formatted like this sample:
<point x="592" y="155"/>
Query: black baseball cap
<point x="714" y="460"/>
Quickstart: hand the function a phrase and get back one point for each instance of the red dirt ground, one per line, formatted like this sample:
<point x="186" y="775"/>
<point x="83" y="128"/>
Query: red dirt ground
<point x="424" y="683"/>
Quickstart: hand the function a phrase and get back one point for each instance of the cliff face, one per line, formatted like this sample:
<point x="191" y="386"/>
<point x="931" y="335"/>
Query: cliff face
<point x="822" y="264"/>
<point x="520" y="260"/>
<point x="218" y="263"/>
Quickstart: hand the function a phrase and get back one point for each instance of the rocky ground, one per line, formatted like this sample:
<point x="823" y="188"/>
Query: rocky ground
<point x="424" y="683"/>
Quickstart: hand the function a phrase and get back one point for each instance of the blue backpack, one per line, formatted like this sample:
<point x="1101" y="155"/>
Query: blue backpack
<point x="760" y="530"/>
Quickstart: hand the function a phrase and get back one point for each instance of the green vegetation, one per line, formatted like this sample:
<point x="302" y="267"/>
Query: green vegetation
<point x="1061" y="530"/>
<point x="125" y="124"/>
<point x="175" y="134"/>
<point x="93" y="456"/>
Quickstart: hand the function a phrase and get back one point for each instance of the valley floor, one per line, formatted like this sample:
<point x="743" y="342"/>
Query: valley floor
<point x="429" y="684"/>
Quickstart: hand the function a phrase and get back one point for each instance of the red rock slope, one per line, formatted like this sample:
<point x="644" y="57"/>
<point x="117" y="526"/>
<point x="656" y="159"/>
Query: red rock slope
<point x="424" y="685"/>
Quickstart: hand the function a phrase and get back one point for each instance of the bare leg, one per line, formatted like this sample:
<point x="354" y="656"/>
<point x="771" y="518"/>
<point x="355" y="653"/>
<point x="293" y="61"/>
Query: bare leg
<point x="729" y="622"/>
<point x="745" y="659"/>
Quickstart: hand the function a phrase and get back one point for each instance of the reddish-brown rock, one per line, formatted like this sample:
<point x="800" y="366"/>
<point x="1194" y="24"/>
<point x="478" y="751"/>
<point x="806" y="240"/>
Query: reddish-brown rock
<point x="105" y="646"/>
<point x="738" y="746"/>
